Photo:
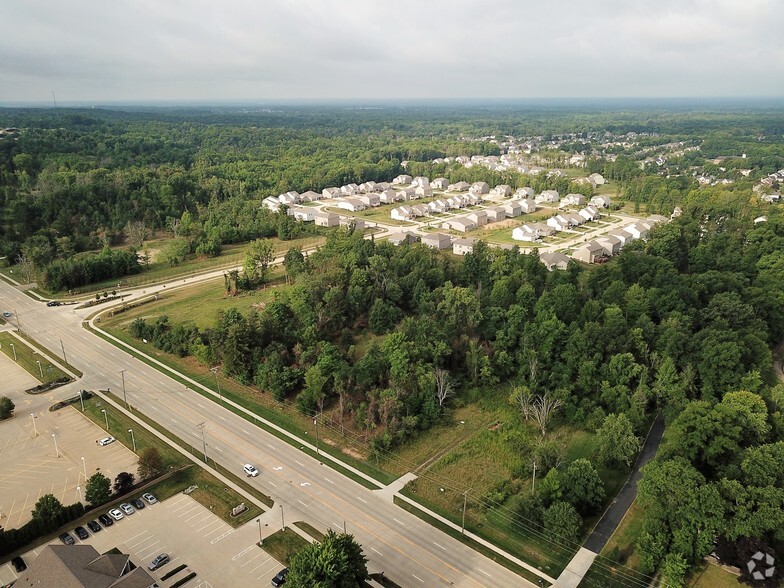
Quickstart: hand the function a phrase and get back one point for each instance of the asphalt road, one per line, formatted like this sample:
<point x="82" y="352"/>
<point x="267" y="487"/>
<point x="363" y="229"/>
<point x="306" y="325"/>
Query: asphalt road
<point x="408" y="550"/>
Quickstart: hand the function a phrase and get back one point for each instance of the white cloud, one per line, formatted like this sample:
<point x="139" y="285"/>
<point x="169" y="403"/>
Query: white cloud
<point x="267" y="50"/>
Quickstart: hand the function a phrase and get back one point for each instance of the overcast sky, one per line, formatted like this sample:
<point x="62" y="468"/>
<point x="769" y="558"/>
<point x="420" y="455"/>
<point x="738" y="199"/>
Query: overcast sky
<point x="260" y="50"/>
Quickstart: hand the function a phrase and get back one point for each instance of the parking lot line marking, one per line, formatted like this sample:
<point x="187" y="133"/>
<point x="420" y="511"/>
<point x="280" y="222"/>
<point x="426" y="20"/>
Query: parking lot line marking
<point x="134" y="545"/>
<point x="241" y="553"/>
<point x="172" y="420"/>
<point x="200" y="405"/>
<point x="134" y="537"/>
<point x="219" y="537"/>
<point x="251" y="559"/>
<point x="274" y="484"/>
<point x="484" y="572"/>
<point x="265" y="562"/>
<point x="377" y="551"/>
<point x="208" y="525"/>
<point x="198" y="514"/>
<point x="338" y="525"/>
<point x="180" y="393"/>
<point x="214" y="531"/>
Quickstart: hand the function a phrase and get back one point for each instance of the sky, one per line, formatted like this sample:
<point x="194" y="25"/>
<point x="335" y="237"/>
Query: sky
<point x="265" y="51"/>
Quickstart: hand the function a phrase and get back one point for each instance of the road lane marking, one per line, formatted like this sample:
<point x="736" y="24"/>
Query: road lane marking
<point x="328" y="480"/>
<point x="437" y="545"/>
<point x="302" y="503"/>
<point x="221" y="418"/>
<point x="418" y="578"/>
<point x="377" y="551"/>
<point x="200" y="405"/>
<point x="361" y="499"/>
<point x="398" y="522"/>
<point x="484" y="572"/>
<point x="270" y="446"/>
<point x="244" y="431"/>
<point x="300" y="463"/>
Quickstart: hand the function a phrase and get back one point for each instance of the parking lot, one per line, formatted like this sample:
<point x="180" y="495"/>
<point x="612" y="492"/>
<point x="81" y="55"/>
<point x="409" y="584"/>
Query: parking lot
<point x="52" y="453"/>
<point x="15" y="379"/>
<point x="191" y="535"/>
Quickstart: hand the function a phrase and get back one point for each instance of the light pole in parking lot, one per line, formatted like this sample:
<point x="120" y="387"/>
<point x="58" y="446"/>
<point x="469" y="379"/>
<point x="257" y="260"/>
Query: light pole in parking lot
<point x="35" y="429"/>
<point x="106" y="416"/>
<point x="79" y="491"/>
<point x="13" y="349"/>
<point x="84" y="469"/>
<point x="57" y="451"/>
<point x="40" y="369"/>
<point x="261" y="539"/>
<point x="81" y="398"/>
<point x="133" y="440"/>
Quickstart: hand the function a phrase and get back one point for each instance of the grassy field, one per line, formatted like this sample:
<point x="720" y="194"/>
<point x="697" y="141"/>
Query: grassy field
<point x="625" y="536"/>
<point x="28" y="358"/>
<point x="310" y="530"/>
<point x="283" y="545"/>
<point x="712" y="576"/>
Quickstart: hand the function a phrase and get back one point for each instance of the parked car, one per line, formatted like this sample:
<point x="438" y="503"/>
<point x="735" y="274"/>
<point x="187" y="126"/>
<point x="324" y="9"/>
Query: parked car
<point x="137" y="503"/>
<point x="250" y="470"/>
<point x="149" y="498"/>
<point x="19" y="564"/>
<point x="106" y="520"/>
<point x="159" y="561"/>
<point x="6" y="314"/>
<point x="67" y="539"/>
<point x="116" y="514"/>
<point x="280" y="578"/>
<point x="105" y="441"/>
<point x="127" y="508"/>
<point x="82" y="533"/>
<point x="93" y="526"/>
<point x="53" y="303"/>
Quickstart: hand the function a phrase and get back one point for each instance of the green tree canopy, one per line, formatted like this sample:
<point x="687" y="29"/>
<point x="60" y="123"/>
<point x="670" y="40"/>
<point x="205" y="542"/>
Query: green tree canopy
<point x="98" y="489"/>
<point x="617" y="443"/>
<point x="336" y="562"/>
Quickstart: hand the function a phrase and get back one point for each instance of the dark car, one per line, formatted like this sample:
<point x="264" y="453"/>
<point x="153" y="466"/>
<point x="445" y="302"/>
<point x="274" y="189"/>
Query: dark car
<point x="19" y="564"/>
<point x="53" y="303"/>
<point x="93" y="526"/>
<point x="137" y="502"/>
<point x="67" y="539"/>
<point x="106" y="520"/>
<point x="81" y="532"/>
<point x="159" y="561"/>
<point x="280" y="578"/>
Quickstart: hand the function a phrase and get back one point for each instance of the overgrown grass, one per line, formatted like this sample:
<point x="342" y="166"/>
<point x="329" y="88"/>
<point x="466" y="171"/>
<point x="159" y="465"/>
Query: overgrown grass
<point x="28" y="359"/>
<point x="709" y="575"/>
<point x="283" y="545"/>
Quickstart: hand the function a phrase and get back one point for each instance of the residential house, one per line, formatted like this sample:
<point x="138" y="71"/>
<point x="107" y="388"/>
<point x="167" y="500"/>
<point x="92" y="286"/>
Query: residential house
<point x="459" y="223"/>
<point x="554" y="260"/>
<point x="589" y="213"/>
<point x="420" y="210"/>
<point x="463" y="246"/>
<point x="357" y="224"/>
<point x="349" y="189"/>
<point x="548" y="197"/>
<point x="455" y="202"/>
<point x="575" y="220"/>
<point x="388" y="197"/>
<point x="656" y="219"/>
<point x="289" y="198"/>
<point x="478" y="216"/>
<point x="479" y="188"/>
<point x="309" y="196"/>
<point x="407" y="194"/>
<point x="512" y="209"/>
<point x="271" y="203"/>
<point x="302" y="213"/>
<point x="438" y="241"/>
<point x="770" y="198"/>
<point x="326" y="219"/>
<point x="596" y="179"/>
<point x="532" y="232"/>
<point x="601" y="201"/>
<point x="572" y="200"/>
<point x="589" y="252"/>
<point x="82" y="566"/>
<point x="438" y="206"/>
<point x="524" y="193"/>
<point x="558" y="223"/>
<point x="501" y="191"/>
<point x="676" y="212"/>
<point x="440" y="184"/>
<point x="381" y="186"/>
<point x="637" y="230"/>
<point x="402" y="180"/>
<point x="330" y="193"/>
<point x="424" y="191"/>
<point x="611" y="245"/>
<point x="369" y="199"/>
<point x="459" y="187"/>
<point x="403" y="237"/>
<point x="351" y="204"/>
<point x="623" y="236"/>
<point x="367" y="187"/>
<point x="528" y="206"/>
<point x="495" y="214"/>
<point x="401" y="213"/>
<point x="421" y="181"/>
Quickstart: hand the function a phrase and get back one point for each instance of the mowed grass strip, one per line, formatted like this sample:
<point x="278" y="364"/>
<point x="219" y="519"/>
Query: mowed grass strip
<point x="28" y="359"/>
<point x="283" y="545"/>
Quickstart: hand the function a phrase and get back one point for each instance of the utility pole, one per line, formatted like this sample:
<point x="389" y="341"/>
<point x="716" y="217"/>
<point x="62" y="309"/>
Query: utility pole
<point x="533" y="480"/>
<point x="133" y="440"/>
<point x="200" y="426"/>
<point x="125" y="398"/>
<point x="465" y="502"/>
<point x="315" y="422"/>
<point x="16" y="316"/>
<point x="214" y="371"/>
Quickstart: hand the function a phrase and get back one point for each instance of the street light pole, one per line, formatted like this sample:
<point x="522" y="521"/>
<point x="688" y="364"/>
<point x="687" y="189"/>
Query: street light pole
<point x="200" y="426"/>
<point x="40" y="369"/>
<point x="13" y="349"/>
<point x="84" y="469"/>
<point x="105" y="416"/>
<point x="57" y="451"/>
<point x="133" y="440"/>
<point x="79" y="490"/>
<point x="35" y="429"/>
<point x="315" y="422"/>
<point x="261" y="539"/>
<point x="282" y="522"/>
<point x="465" y="501"/>
<point x="81" y="398"/>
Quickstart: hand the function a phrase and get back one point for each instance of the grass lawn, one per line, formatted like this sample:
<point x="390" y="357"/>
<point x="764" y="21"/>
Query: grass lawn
<point x="379" y="214"/>
<point x="283" y="545"/>
<point x="625" y="537"/>
<point x="28" y="358"/>
<point x="709" y="575"/>
<point x="310" y="530"/>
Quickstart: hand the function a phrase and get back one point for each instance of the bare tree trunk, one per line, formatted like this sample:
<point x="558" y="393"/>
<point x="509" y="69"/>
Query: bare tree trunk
<point x="444" y="386"/>
<point x="544" y="408"/>
<point x="26" y="266"/>
<point x="137" y="232"/>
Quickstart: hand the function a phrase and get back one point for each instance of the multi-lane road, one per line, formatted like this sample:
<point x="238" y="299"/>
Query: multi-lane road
<point x="403" y="546"/>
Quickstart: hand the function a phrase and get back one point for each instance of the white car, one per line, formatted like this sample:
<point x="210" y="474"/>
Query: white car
<point x="105" y="441"/>
<point x="149" y="498"/>
<point x="127" y="508"/>
<point x="116" y="514"/>
<point x="250" y="470"/>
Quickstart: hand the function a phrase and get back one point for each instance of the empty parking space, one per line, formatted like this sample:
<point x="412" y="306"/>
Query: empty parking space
<point x="52" y="453"/>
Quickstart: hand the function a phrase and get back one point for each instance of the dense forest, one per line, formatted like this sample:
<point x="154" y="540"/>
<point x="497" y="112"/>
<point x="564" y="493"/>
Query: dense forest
<point x="681" y="324"/>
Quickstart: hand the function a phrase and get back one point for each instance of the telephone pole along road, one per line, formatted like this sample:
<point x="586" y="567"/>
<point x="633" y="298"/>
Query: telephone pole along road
<point x="406" y="548"/>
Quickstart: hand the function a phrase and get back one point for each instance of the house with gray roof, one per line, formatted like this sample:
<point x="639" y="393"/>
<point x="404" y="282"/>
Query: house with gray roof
<point x="589" y="252"/>
<point x="398" y="239"/>
<point x="463" y="246"/>
<point x="326" y="219"/>
<point x="438" y="241"/>
<point x="554" y="260"/>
